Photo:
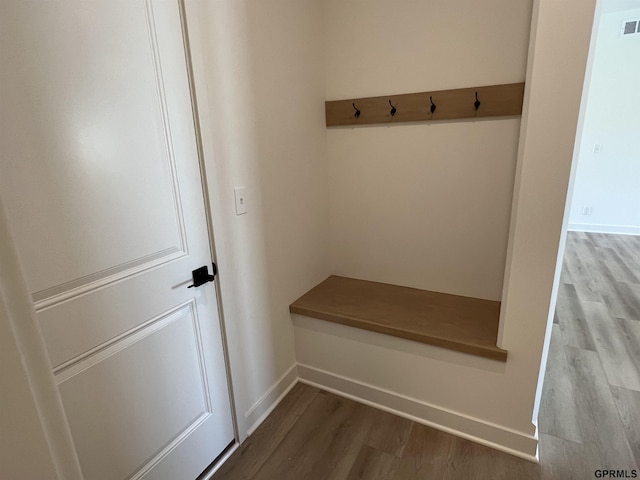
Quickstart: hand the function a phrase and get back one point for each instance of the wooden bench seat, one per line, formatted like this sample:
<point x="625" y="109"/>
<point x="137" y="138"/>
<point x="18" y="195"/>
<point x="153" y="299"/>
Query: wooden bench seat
<point x="465" y="324"/>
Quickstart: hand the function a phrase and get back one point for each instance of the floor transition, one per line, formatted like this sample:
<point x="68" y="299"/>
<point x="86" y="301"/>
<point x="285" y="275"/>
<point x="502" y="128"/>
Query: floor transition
<point x="589" y="417"/>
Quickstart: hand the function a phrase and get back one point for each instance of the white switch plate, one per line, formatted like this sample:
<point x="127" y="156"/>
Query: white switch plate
<point x="597" y="148"/>
<point x="240" y="194"/>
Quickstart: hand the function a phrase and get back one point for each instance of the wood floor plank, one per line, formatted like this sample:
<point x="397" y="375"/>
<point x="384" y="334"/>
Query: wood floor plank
<point x="561" y="459"/>
<point x="628" y="246"/>
<point x="631" y="331"/>
<point x="255" y="451"/>
<point x="634" y="290"/>
<point x="426" y="455"/>
<point x="615" y="294"/>
<point x="591" y="271"/>
<point x="306" y="441"/>
<point x="629" y="294"/>
<point x="600" y="422"/>
<point x="472" y="461"/>
<point x="586" y="238"/>
<point x="580" y="272"/>
<point x="565" y="273"/>
<point x="601" y="240"/>
<point x="614" y="348"/>
<point x="558" y="414"/>
<point x="373" y="464"/>
<point x="571" y="318"/>
<point x="628" y="404"/>
<point x="337" y="460"/>
<point x="616" y="297"/>
<point x="619" y="267"/>
<point x="320" y="446"/>
<point x="389" y="433"/>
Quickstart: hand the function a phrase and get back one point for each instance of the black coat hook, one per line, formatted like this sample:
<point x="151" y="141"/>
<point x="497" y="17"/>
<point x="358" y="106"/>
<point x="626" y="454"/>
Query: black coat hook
<point x="476" y="104"/>
<point x="393" y="109"/>
<point x="433" y="105"/>
<point x="357" y="114"/>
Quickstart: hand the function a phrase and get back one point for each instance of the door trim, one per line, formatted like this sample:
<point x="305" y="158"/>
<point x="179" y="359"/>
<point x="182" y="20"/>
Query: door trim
<point x="208" y="212"/>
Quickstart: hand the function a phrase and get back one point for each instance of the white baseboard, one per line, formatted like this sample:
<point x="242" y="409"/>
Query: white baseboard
<point x="495" y="436"/>
<point x="595" y="228"/>
<point x="271" y="398"/>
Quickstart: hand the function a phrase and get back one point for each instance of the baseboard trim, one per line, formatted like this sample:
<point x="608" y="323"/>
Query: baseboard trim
<point x="494" y="436"/>
<point x="596" y="228"/>
<point x="271" y="398"/>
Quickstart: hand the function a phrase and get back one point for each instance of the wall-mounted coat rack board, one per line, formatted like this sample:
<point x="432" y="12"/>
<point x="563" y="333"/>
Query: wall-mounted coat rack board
<point x="473" y="102"/>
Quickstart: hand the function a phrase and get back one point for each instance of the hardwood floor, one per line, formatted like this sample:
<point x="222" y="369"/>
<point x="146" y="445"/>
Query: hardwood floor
<point x="589" y="417"/>
<point x="334" y="438"/>
<point x="591" y="397"/>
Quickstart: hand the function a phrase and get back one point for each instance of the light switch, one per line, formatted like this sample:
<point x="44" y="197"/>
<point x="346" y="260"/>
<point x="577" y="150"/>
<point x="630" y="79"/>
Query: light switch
<point x="241" y="200"/>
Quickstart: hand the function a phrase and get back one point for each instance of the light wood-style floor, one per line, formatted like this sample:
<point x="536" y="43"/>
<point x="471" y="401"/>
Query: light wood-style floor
<point x="589" y="417"/>
<point x="591" y="399"/>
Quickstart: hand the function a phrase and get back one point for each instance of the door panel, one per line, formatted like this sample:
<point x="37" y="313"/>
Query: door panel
<point x="103" y="192"/>
<point x="95" y="403"/>
<point x="110" y="64"/>
<point x="102" y="315"/>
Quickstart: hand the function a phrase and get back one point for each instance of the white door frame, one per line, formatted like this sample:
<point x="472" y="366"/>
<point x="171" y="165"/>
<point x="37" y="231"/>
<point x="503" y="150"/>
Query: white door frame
<point x="208" y="210"/>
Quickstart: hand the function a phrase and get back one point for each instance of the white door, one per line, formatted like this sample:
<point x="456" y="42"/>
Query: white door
<point x="100" y="177"/>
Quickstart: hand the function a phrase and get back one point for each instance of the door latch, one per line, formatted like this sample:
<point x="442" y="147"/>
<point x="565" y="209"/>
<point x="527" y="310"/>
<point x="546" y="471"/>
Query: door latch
<point x="201" y="276"/>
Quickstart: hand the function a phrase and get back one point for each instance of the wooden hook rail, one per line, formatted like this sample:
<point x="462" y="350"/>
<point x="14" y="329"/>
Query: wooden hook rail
<point x="488" y="101"/>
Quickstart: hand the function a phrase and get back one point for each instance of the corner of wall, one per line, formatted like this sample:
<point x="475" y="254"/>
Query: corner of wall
<point x="251" y="62"/>
<point x="555" y="81"/>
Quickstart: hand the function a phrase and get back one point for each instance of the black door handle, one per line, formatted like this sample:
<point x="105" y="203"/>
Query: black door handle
<point x="201" y="276"/>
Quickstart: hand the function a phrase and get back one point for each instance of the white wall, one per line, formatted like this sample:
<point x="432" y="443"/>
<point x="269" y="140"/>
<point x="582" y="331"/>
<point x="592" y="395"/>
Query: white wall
<point x="609" y="181"/>
<point x="260" y="86"/>
<point x="423" y="205"/>
<point x="487" y="400"/>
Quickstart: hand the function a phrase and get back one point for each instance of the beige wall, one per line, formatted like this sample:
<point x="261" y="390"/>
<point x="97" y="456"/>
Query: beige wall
<point x="423" y="205"/>
<point x="556" y="72"/>
<point x="260" y="86"/>
<point x="491" y="402"/>
<point x="282" y="242"/>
